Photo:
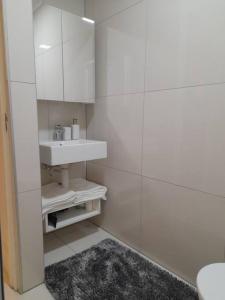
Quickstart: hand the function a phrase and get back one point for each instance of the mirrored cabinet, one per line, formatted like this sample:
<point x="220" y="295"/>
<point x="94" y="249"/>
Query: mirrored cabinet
<point x="64" y="54"/>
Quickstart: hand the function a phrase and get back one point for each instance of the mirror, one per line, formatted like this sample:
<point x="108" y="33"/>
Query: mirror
<point x="64" y="52"/>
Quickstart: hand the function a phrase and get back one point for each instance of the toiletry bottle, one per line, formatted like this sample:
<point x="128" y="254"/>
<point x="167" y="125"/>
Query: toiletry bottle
<point x="66" y="133"/>
<point x="58" y="134"/>
<point x="75" y="130"/>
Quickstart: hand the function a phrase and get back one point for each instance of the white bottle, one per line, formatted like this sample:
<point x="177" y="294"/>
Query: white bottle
<point x="75" y="130"/>
<point x="66" y="133"/>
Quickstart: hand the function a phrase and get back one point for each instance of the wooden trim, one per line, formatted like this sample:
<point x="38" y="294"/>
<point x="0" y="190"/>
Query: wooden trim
<point x="8" y="207"/>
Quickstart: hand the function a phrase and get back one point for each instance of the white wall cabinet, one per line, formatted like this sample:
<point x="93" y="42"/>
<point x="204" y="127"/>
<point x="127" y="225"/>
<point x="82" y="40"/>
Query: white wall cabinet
<point x="78" y="58"/>
<point x="49" y="75"/>
<point x="48" y="53"/>
<point x="65" y="56"/>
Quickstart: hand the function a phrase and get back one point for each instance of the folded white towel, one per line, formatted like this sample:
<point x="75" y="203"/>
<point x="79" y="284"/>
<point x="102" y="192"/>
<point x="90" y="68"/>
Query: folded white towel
<point x="54" y="192"/>
<point x="55" y="197"/>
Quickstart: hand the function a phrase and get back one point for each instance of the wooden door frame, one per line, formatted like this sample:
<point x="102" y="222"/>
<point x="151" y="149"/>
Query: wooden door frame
<point x="8" y="202"/>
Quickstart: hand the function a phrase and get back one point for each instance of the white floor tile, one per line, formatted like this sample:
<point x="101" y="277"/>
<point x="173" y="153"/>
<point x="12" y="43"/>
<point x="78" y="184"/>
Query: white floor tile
<point x="55" y="250"/>
<point x="82" y="236"/>
<point x="60" y="245"/>
<point x="38" y="293"/>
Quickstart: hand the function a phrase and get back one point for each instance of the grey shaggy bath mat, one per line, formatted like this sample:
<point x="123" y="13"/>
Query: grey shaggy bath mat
<point x="109" y="271"/>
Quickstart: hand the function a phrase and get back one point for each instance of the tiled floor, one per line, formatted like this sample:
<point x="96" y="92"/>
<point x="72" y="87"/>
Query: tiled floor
<point x="58" y="246"/>
<point x="38" y="293"/>
<point x="70" y="240"/>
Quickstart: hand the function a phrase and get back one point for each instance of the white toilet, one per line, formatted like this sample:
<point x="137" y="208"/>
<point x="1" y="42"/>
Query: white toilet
<point x="211" y="282"/>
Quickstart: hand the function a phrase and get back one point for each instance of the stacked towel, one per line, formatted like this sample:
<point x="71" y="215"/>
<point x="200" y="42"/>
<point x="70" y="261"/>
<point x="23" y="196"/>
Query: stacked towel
<point x="87" y="190"/>
<point x="55" y="197"/>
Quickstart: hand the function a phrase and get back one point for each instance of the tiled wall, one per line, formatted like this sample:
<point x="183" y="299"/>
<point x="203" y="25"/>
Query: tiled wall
<point x="51" y="113"/>
<point x="18" y="18"/>
<point x="73" y="6"/>
<point x="20" y="52"/>
<point x="160" y="73"/>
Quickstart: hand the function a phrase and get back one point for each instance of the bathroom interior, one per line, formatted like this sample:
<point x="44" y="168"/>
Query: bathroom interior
<point x="112" y="149"/>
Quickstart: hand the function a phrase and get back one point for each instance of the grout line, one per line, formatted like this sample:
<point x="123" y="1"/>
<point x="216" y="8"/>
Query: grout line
<point x="33" y="190"/>
<point x="143" y="117"/>
<point x="62" y="47"/>
<point x="61" y="240"/>
<point x="23" y="82"/>
<point x="157" y="179"/>
<point x="100" y="97"/>
<point x="132" y="248"/>
<point x="139" y="252"/>
<point x="185" y="87"/>
<point x="183" y="186"/>
<point x="86" y="125"/>
<point x="118" y="13"/>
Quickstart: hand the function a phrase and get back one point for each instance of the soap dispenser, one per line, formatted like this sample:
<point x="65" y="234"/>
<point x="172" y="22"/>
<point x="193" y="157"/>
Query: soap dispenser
<point x="75" y="130"/>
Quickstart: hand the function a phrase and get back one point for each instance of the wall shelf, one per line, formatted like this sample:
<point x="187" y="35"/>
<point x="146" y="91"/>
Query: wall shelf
<point x="73" y="215"/>
<point x="66" y="206"/>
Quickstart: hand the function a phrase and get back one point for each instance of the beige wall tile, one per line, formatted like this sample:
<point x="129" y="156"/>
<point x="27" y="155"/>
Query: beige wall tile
<point x="183" y="128"/>
<point x="19" y="40"/>
<point x="118" y="120"/>
<point x="120" y="53"/>
<point x="121" y="211"/>
<point x="25" y="134"/>
<point x="43" y="113"/>
<point x="53" y="113"/>
<point x="100" y="10"/>
<point x="31" y="238"/>
<point x="184" y="43"/>
<point x="74" y="6"/>
<point x="183" y="137"/>
<point x="63" y="113"/>
<point x="182" y="229"/>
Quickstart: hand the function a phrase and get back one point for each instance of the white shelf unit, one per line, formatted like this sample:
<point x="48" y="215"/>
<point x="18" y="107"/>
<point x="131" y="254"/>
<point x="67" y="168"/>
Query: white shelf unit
<point x="73" y="214"/>
<point x="63" y="206"/>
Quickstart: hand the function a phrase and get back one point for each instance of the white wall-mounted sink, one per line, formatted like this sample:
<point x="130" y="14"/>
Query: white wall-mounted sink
<point x="65" y="152"/>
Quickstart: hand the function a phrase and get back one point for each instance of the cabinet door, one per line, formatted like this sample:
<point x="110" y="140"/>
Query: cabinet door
<point x="78" y="59"/>
<point x="48" y="52"/>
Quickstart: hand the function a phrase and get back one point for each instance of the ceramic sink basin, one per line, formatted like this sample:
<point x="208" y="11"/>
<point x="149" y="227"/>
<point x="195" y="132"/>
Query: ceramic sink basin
<point x="65" y="152"/>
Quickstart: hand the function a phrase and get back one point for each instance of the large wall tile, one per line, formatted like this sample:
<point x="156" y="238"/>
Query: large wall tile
<point x="99" y="10"/>
<point x="120" y="53"/>
<point x="43" y="113"/>
<point x="121" y="211"/>
<point x="182" y="229"/>
<point x="19" y="29"/>
<point x="25" y="132"/>
<point x="184" y="137"/>
<point x="118" y="120"/>
<point x="31" y="238"/>
<point x="185" y="44"/>
<point x="73" y="6"/>
<point x="63" y="113"/>
<point x="51" y="114"/>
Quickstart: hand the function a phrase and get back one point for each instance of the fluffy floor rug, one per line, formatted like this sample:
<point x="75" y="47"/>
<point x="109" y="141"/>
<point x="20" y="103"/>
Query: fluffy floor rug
<point x="109" y="271"/>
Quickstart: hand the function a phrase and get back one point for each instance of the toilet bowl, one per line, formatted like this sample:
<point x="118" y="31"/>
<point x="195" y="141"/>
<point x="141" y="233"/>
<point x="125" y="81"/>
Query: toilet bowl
<point x="211" y="282"/>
